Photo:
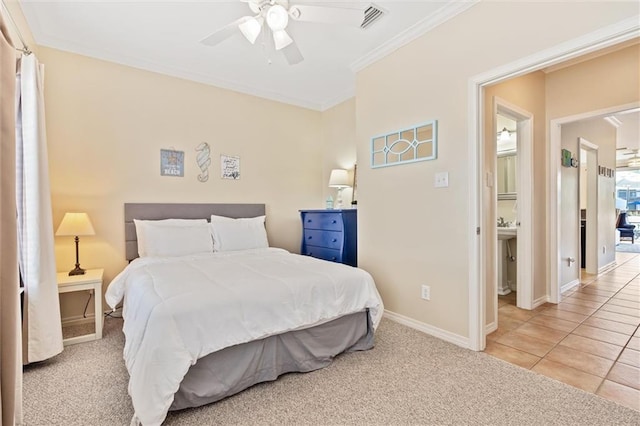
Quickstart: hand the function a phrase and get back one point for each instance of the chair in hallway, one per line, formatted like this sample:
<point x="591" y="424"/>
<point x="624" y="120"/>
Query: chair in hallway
<point x="626" y="229"/>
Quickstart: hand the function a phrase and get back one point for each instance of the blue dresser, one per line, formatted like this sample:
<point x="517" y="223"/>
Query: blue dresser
<point x="330" y="235"/>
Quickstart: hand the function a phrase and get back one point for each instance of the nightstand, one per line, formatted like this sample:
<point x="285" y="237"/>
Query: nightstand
<point x="330" y="235"/>
<point x="91" y="280"/>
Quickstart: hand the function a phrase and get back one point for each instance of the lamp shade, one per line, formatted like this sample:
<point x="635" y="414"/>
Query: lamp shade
<point x="281" y="39"/>
<point x="251" y="28"/>
<point x="277" y="17"/>
<point x="339" y="179"/>
<point x="75" y="224"/>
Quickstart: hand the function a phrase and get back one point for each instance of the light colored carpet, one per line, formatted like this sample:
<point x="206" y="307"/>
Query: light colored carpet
<point x="628" y="248"/>
<point x="408" y="378"/>
<point x="78" y="329"/>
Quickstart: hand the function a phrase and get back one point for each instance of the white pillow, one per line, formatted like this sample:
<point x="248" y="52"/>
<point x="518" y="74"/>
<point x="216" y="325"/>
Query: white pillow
<point x="143" y="225"/>
<point x="238" y="234"/>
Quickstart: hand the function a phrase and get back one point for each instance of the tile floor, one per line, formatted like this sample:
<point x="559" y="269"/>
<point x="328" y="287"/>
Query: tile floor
<point x="591" y="340"/>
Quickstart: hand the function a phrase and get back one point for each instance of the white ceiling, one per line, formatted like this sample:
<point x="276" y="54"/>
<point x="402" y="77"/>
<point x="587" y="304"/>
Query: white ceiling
<point x="163" y="36"/>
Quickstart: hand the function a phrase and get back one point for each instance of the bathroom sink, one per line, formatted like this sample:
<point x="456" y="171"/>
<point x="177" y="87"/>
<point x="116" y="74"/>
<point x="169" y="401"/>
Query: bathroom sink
<point x="507" y="233"/>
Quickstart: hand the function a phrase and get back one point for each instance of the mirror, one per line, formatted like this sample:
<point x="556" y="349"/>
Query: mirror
<point x="506" y="169"/>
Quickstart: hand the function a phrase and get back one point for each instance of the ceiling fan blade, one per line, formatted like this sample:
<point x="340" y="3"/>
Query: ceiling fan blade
<point x="630" y="152"/>
<point x="327" y="15"/>
<point x="224" y="33"/>
<point x="292" y="54"/>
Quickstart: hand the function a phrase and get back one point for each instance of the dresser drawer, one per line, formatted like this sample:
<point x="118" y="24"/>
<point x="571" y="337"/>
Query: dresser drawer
<point x="323" y="253"/>
<point x="318" y="238"/>
<point x="327" y="221"/>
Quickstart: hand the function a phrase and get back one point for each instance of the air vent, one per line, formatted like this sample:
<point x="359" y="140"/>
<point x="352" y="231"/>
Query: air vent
<point x="371" y="15"/>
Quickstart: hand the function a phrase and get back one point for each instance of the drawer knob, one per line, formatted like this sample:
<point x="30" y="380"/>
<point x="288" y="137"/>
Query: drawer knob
<point x="309" y="237"/>
<point x="334" y="240"/>
<point x="334" y="258"/>
<point x="335" y="221"/>
<point x="308" y="220"/>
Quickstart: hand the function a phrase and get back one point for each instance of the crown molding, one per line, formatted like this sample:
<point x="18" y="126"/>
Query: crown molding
<point x="601" y="38"/>
<point x="348" y="94"/>
<point x="438" y="17"/>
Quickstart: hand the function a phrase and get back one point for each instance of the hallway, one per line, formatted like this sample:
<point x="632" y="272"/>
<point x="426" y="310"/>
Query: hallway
<point x="590" y="340"/>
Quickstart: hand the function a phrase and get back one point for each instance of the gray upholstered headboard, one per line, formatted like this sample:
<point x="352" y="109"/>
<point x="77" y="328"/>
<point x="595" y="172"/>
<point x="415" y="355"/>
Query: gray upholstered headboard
<point x="156" y="211"/>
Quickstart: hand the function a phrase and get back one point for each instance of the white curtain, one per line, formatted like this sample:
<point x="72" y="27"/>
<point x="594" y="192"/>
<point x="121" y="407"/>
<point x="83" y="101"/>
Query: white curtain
<point x="42" y="329"/>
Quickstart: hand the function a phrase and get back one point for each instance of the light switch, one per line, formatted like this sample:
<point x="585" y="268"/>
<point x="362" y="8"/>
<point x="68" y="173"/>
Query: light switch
<point x="442" y="180"/>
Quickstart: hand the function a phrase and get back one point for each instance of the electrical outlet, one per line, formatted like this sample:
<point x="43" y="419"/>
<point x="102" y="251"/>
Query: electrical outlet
<point x="425" y="292"/>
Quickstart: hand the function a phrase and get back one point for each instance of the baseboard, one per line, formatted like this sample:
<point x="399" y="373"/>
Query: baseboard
<point x="570" y="285"/>
<point x="447" y="336"/>
<point x="539" y="301"/>
<point x="78" y="319"/>
<point x="607" y="266"/>
<point x="490" y="328"/>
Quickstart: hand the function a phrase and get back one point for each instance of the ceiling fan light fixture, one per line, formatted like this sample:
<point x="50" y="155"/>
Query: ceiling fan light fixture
<point x="251" y="28"/>
<point x="277" y="18"/>
<point x="281" y="39"/>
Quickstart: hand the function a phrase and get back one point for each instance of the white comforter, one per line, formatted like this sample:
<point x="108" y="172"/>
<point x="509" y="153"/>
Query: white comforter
<point x="178" y="310"/>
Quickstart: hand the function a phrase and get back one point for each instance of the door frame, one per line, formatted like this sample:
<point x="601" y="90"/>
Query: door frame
<point x="601" y="38"/>
<point x="524" y="189"/>
<point x="591" y="230"/>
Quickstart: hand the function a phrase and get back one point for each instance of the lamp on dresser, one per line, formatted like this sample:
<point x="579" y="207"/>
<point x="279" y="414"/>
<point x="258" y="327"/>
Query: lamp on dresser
<point x="75" y="224"/>
<point x="339" y="179"/>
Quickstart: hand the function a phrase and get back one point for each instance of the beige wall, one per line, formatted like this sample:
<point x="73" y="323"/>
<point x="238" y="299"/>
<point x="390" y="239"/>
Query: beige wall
<point x="106" y="124"/>
<point x="410" y="232"/>
<point x="603" y="82"/>
<point x="339" y="146"/>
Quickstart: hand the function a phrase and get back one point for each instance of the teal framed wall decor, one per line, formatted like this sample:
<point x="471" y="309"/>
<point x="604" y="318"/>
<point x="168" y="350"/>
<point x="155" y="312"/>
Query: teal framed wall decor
<point x="416" y="143"/>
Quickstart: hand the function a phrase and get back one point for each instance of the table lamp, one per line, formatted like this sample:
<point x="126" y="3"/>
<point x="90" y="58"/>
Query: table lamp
<point x="339" y="179"/>
<point x="75" y="224"/>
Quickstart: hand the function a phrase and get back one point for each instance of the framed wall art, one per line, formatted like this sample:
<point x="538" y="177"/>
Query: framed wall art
<point x="230" y="167"/>
<point x="171" y="163"/>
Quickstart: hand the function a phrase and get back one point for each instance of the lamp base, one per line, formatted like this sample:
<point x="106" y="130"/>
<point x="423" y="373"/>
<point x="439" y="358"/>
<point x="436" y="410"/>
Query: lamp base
<point x="339" y="205"/>
<point x="76" y="271"/>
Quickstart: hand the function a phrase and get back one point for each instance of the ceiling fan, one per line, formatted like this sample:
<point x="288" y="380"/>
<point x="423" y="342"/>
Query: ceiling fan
<point x="632" y="156"/>
<point x="273" y="16"/>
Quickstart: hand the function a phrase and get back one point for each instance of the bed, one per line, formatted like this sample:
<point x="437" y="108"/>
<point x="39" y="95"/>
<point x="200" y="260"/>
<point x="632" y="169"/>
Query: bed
<point x="201" y="326"/>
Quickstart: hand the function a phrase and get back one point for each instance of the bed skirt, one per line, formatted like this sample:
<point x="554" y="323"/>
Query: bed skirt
<point x="231" y="370"/>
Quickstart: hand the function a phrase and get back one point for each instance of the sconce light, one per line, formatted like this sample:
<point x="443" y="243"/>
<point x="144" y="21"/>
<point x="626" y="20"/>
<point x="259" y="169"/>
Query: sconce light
<point x="339" y="179"/>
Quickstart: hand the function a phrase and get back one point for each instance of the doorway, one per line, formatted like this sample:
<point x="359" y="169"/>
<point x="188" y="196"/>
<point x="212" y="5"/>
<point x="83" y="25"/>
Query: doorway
<point x="588" y="193"/>
<point x="516" y="202"/>
<point x="479" y="233"/>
